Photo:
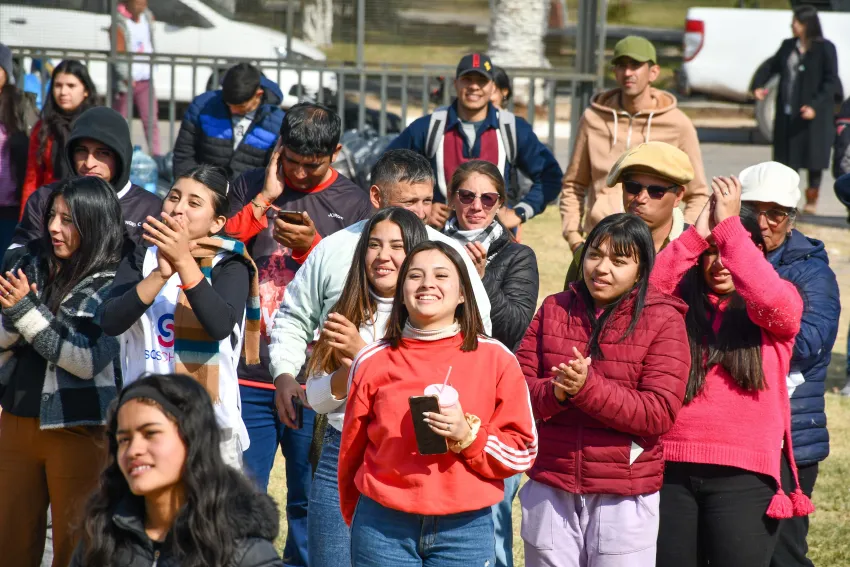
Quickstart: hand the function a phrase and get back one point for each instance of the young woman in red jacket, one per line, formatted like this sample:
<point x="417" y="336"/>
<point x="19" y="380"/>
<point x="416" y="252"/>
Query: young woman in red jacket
<point x="722" y="497"/>
<point x="606" y="363"/>
<point x="72" y="92"/>
<point x="409" y="509"/>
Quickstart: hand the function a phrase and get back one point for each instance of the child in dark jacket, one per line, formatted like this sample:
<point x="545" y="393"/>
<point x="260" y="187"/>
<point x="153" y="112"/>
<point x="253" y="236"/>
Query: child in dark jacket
<point x="722" y="494"/>
<point x="593" y="495"/>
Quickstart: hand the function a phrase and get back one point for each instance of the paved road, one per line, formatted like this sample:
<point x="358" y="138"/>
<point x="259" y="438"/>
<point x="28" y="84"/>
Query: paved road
<point x="720" y="159"/>
<point x="726" y="159"/>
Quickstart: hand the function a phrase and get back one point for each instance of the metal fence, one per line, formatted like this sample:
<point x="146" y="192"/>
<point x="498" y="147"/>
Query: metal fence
<point x="384" y="96"/>
<point x="381" y="91"/>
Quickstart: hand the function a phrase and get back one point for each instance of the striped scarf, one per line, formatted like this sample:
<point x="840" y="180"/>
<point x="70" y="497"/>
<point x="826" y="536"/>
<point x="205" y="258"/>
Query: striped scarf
<point x="195" y="352"/>
<point x="486" y="236"/>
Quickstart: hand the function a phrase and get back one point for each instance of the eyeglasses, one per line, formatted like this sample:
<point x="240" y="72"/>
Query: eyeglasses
<point x="488" y="200"/>
<point x="774" y="217"/>
<point x="654" y="191"/>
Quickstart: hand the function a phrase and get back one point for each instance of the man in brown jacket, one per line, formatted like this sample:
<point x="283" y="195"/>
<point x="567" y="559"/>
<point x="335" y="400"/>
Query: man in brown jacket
<point x="617" y="120"/>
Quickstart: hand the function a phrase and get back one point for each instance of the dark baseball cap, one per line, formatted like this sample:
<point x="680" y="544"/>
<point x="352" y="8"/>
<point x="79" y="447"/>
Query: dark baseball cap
<point x="475" y="63"/>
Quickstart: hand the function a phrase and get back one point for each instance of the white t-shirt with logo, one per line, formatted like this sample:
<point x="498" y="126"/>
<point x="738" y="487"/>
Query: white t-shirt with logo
<point x="148" y="347"/>
<point x="140" y="42"/>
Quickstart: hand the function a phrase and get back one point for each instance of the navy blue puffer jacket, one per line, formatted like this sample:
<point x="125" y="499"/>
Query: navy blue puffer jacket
<point x="804" y="262"/>
<point x="206" y="133"/>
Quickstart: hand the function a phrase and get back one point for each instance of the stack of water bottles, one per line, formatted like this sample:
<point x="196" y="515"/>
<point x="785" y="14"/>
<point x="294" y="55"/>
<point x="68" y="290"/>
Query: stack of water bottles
<point x="143" y="170"/>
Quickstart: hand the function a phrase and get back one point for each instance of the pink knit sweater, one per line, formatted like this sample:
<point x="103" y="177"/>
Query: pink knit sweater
<point x="724" y="424"/>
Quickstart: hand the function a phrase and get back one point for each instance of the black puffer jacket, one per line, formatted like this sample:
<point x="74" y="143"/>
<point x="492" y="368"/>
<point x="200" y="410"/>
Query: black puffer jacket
<point x="254" y="517"/>
<point x="512" y="284"/>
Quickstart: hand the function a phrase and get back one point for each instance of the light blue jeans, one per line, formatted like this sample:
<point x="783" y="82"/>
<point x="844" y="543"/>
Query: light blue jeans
<point x="503" y="521"/>
<point x="328" y="538"/>
<point x="381" y="536"/>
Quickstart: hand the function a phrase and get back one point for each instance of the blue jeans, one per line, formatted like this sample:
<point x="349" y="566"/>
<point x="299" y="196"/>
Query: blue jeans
<point x="267" y="433"/>
<point x="328" y="538"/>
<point x="382" y="536"/>
<point x="502" y="519"/>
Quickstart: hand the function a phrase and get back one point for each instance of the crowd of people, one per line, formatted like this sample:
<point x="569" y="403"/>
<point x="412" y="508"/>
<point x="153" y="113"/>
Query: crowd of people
<point x="155" y="355"/>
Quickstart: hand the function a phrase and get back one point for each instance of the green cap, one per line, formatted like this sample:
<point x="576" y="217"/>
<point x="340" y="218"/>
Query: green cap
<point x="638" y="48"/>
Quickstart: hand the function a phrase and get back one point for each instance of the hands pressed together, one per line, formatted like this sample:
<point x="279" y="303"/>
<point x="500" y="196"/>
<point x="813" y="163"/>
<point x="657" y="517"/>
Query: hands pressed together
<point x="172" y="241"/>
<point x="571" y="377"/>
<point x="724" y="202"/>
<point x="13" y="288"/>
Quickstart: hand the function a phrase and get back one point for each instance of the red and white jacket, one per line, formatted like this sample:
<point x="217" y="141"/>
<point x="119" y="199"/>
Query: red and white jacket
<point x="378" y="456"/>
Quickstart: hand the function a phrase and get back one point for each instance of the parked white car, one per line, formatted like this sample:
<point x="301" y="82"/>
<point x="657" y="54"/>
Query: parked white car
<point x="188" y="28"/>
<point x="723" y="48"/>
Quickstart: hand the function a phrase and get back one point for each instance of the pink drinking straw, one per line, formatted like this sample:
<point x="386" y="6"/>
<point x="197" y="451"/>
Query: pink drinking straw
<point x="446" y="381"/>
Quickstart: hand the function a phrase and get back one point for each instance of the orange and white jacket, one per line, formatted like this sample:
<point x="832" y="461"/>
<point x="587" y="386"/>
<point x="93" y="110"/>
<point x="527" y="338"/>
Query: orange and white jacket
<point x="378" y="455"/>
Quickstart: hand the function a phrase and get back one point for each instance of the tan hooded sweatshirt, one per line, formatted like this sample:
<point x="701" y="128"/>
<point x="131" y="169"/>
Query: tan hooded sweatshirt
<point x="605" y="132"/>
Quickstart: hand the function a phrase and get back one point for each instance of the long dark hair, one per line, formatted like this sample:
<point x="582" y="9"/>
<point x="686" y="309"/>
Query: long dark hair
<point x="627" y="235"/>
<point x="808" y="16"/>
<point x="55" y="122"/>
<point x="97" y="217"/>
<point x="356" y="302"/>
<point x="12" y="110"/>
<point x="201" y="535"/>
<point x="737" y="344"/>
<point x="466" y="313"/>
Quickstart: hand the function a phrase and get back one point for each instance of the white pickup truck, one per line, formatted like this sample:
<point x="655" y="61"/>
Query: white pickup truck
<point x="723" y="48"/>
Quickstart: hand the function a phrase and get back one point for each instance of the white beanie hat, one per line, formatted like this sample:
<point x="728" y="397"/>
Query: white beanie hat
<point x="771" y="182"/>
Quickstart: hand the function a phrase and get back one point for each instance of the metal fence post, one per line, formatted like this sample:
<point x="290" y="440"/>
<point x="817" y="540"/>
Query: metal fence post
<point x="361" y="33"/>
<point x="588" y="13"/>
<point x="113" y="50"/>
<point x="290" y="27"/>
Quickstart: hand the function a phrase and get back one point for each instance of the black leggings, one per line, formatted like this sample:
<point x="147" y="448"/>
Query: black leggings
<point x="815" y="177"/>
<point x="715" y="515"/>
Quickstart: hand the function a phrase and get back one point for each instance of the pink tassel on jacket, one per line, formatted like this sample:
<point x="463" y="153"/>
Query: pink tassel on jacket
<point x="801" y="504"/>
<point x="780" y="506"/>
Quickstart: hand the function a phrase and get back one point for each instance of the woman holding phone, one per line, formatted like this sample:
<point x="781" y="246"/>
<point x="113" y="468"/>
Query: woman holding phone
<point x="180" y="305"/>
<point x="359" y="318"/>
<point x="434" y="343"/>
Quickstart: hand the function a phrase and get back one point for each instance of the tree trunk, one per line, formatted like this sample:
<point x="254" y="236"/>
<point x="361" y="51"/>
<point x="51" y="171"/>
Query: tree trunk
<point x="319" y="22"/>
<point x="517" y="28"/>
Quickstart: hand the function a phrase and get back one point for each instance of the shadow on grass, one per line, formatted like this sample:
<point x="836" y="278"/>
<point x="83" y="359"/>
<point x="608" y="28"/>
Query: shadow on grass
<point x="836" y="374"/>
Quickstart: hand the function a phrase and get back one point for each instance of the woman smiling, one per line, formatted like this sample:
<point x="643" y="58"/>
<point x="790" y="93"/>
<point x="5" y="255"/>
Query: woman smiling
<point x="432" y="328"/>
<point x="58" y="370"/>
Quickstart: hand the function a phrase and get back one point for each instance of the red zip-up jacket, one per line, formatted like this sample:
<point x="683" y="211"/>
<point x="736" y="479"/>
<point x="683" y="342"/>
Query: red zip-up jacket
<point x="631" y="396"/>
<point x="378" y="456"/>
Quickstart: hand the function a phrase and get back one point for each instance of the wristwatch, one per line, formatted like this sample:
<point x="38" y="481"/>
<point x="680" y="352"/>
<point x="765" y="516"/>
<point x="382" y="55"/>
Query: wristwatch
<point x="520" y="212"/>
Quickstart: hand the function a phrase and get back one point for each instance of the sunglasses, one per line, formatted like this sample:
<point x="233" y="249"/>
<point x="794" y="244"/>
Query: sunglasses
<point x="654" y="191"/>
<point x="467" y="197"/>
<point x="774" y="217"/>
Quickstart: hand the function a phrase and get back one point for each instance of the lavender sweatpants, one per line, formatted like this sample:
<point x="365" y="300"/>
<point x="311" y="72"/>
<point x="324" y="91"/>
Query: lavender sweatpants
<point x="141" y="100"/>
<point x="562" y="529"/>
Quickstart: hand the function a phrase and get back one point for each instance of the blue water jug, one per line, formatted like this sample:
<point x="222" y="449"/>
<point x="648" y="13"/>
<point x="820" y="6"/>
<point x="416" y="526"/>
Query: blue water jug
<point x="143" y="170"/>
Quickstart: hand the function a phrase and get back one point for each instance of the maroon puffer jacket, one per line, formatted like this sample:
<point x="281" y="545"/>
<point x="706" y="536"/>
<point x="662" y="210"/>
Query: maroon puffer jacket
<point x="631" y="396"/>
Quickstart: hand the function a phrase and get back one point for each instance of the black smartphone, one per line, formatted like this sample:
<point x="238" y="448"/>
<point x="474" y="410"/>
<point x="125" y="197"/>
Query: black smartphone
<point x="299" y="411"/>
<point x="291" y="217"/>
<point x="428" y="442"/>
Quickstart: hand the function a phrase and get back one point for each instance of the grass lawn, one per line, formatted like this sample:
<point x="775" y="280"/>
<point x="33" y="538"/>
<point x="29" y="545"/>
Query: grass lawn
<point x="830" y="524"/>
